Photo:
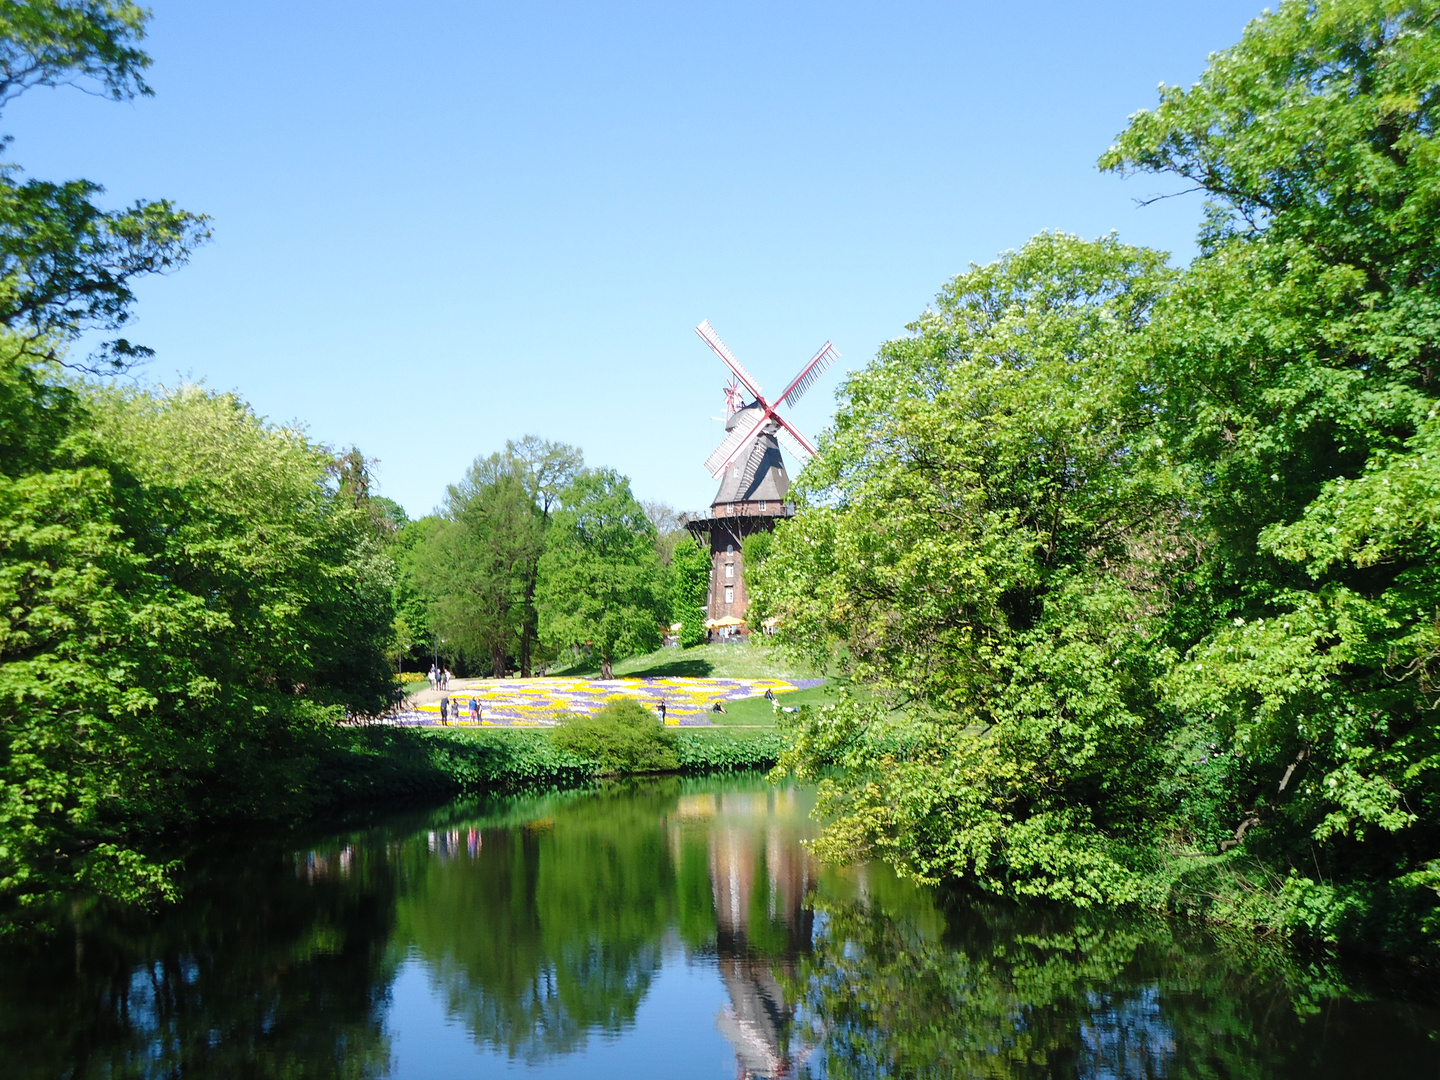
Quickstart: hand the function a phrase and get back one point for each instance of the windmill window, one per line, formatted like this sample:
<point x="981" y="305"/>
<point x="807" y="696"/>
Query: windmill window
<point x="762" y="506"/>
<point x="729" y="594"/>
<point x="729" y="549"/>
<point x="729" y="569"/>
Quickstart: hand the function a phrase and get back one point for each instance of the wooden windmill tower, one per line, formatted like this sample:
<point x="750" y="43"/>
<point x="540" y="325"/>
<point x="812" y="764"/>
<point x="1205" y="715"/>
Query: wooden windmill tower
<point x="753" y="481"/>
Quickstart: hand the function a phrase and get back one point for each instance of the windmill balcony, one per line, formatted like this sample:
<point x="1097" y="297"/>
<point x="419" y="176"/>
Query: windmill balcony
<point x="770" y="508"/>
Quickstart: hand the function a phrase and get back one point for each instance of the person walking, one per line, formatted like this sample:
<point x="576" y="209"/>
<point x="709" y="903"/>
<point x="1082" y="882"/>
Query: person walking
<point x="445" y="678"/>
<point x="475" y="709"/>
<point x="434" y="676"/>
<point x="662" y="711"/>
<point x="445" y="711"/>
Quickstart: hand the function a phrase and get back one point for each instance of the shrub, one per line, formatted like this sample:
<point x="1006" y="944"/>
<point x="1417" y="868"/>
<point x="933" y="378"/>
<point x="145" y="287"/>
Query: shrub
<point x="709" y="750"/>
<point x="624" y="736"/>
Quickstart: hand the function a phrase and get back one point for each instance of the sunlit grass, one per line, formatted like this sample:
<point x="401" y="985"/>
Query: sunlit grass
<point x="743" y="660"/>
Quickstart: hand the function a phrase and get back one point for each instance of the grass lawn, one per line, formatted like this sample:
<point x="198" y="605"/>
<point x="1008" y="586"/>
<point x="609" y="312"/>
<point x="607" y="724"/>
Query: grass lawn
<point x="742" y="660"/>
<point x="757" y="711"/>
<point x="743" y="732"/>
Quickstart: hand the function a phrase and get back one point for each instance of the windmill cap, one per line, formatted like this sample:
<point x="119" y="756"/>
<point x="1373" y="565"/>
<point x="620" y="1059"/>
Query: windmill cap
<point x="730" y="424"/>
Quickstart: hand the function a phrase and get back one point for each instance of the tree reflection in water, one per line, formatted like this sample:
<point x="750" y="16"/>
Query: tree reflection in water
<point x="271" y="967"/>
<point x="544" y="922"/>
<point x="556" y="931"/>
<point x="908" y="983"/>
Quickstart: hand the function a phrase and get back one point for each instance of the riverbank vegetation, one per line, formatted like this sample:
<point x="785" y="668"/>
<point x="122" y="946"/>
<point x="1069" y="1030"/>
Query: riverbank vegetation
<point x="1134" y="565"/>
<point x="1148" y="554"/>
<point x="194" y="599"/>
<point x="361" y="766"/>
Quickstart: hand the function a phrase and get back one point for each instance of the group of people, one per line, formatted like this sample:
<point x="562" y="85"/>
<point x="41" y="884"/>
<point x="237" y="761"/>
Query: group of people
<point x="440" y="680"/>
<point x="447" y="707"/>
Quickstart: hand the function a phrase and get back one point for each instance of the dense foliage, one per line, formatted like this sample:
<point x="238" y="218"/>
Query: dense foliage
<point x="690" y="590"/>
<point x="535" y="557"/>
<point x="623" y="737"/>
<point x="189" y="604"/>
<point x="1145" y="559"/>
<point x="600" y="575"/>
<point x="476" y="567"/>
<point x="189" y="596"/>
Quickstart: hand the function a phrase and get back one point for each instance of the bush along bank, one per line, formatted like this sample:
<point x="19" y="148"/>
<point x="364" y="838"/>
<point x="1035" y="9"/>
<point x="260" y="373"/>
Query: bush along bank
<point x="381" y="762"/>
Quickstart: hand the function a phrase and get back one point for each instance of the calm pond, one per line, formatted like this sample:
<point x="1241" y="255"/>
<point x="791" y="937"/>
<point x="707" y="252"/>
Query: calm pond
<point x="674" y="928"/>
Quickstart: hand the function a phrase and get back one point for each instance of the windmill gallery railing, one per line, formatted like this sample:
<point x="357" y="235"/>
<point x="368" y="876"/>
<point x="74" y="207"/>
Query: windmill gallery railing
<point x="753" y="508"/>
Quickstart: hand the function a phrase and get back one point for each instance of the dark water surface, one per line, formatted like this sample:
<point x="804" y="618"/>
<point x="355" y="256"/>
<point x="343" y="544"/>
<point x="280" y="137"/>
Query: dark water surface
<point x="665" y="929"/>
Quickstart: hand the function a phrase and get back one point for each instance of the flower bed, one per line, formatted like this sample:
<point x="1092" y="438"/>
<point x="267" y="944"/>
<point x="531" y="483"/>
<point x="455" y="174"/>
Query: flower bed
<point x="537" y="701"/>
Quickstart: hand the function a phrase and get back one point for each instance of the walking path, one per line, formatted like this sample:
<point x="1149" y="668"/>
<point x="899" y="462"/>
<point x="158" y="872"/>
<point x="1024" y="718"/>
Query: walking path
<point x="516" y="702"/>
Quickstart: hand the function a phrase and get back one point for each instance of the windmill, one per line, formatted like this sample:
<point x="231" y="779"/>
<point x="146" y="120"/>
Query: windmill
<point x="751" y="470"/>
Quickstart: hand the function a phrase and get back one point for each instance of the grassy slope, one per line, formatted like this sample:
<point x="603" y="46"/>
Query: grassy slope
<point x="739" y="661"/>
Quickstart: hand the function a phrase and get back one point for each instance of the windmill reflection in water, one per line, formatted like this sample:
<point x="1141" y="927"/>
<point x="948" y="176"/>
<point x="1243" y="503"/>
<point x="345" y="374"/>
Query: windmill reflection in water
<point x="763" y="925"/>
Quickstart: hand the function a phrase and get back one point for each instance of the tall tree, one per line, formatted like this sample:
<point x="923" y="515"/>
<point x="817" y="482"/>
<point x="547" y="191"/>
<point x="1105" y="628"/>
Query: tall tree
<point x="690" y="570"/>
<point x="80" y="654"/>
<point x="1151" y="559"/>
<point x="476" y="568"/>
<point x="977" y="500"/>
<point x="599" y="575"/>
<point x="409" y="550"/>
<point x="1297" y="376"/>
<point x="188" y="606"/>
<point x="549" y="468"/>
<point x="669" y="527"/>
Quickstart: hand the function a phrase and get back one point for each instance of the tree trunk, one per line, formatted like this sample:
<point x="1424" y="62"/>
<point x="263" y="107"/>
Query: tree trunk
<point x="498" y="667"/>
<point x="606" y="670"/>
<point x="528" y="620"/>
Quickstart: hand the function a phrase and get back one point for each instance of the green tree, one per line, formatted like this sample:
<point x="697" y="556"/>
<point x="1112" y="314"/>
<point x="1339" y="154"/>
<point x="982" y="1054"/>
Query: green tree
<point x="599" y="575"/>
<point x="549" y="468"/>
<point x="189" y="608"/>
<point x="1148" y="558"/>
<point x="973" y="560"/>
<point x="409" y="545"/>
<point x="690" y="590"/>
<point x="669" y="528"/>
<point x="1295" y="370"/>
<point x="475" y="568"/>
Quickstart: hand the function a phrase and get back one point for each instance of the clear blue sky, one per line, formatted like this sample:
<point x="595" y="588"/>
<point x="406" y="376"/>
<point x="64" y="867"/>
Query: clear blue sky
<point x="442" y="225"/>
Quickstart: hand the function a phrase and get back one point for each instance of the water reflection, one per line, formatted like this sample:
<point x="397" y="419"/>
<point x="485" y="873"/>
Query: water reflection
<point x="548" y="931"/>
<point x="550" y="925"/>
<point x="760" y="884"/>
